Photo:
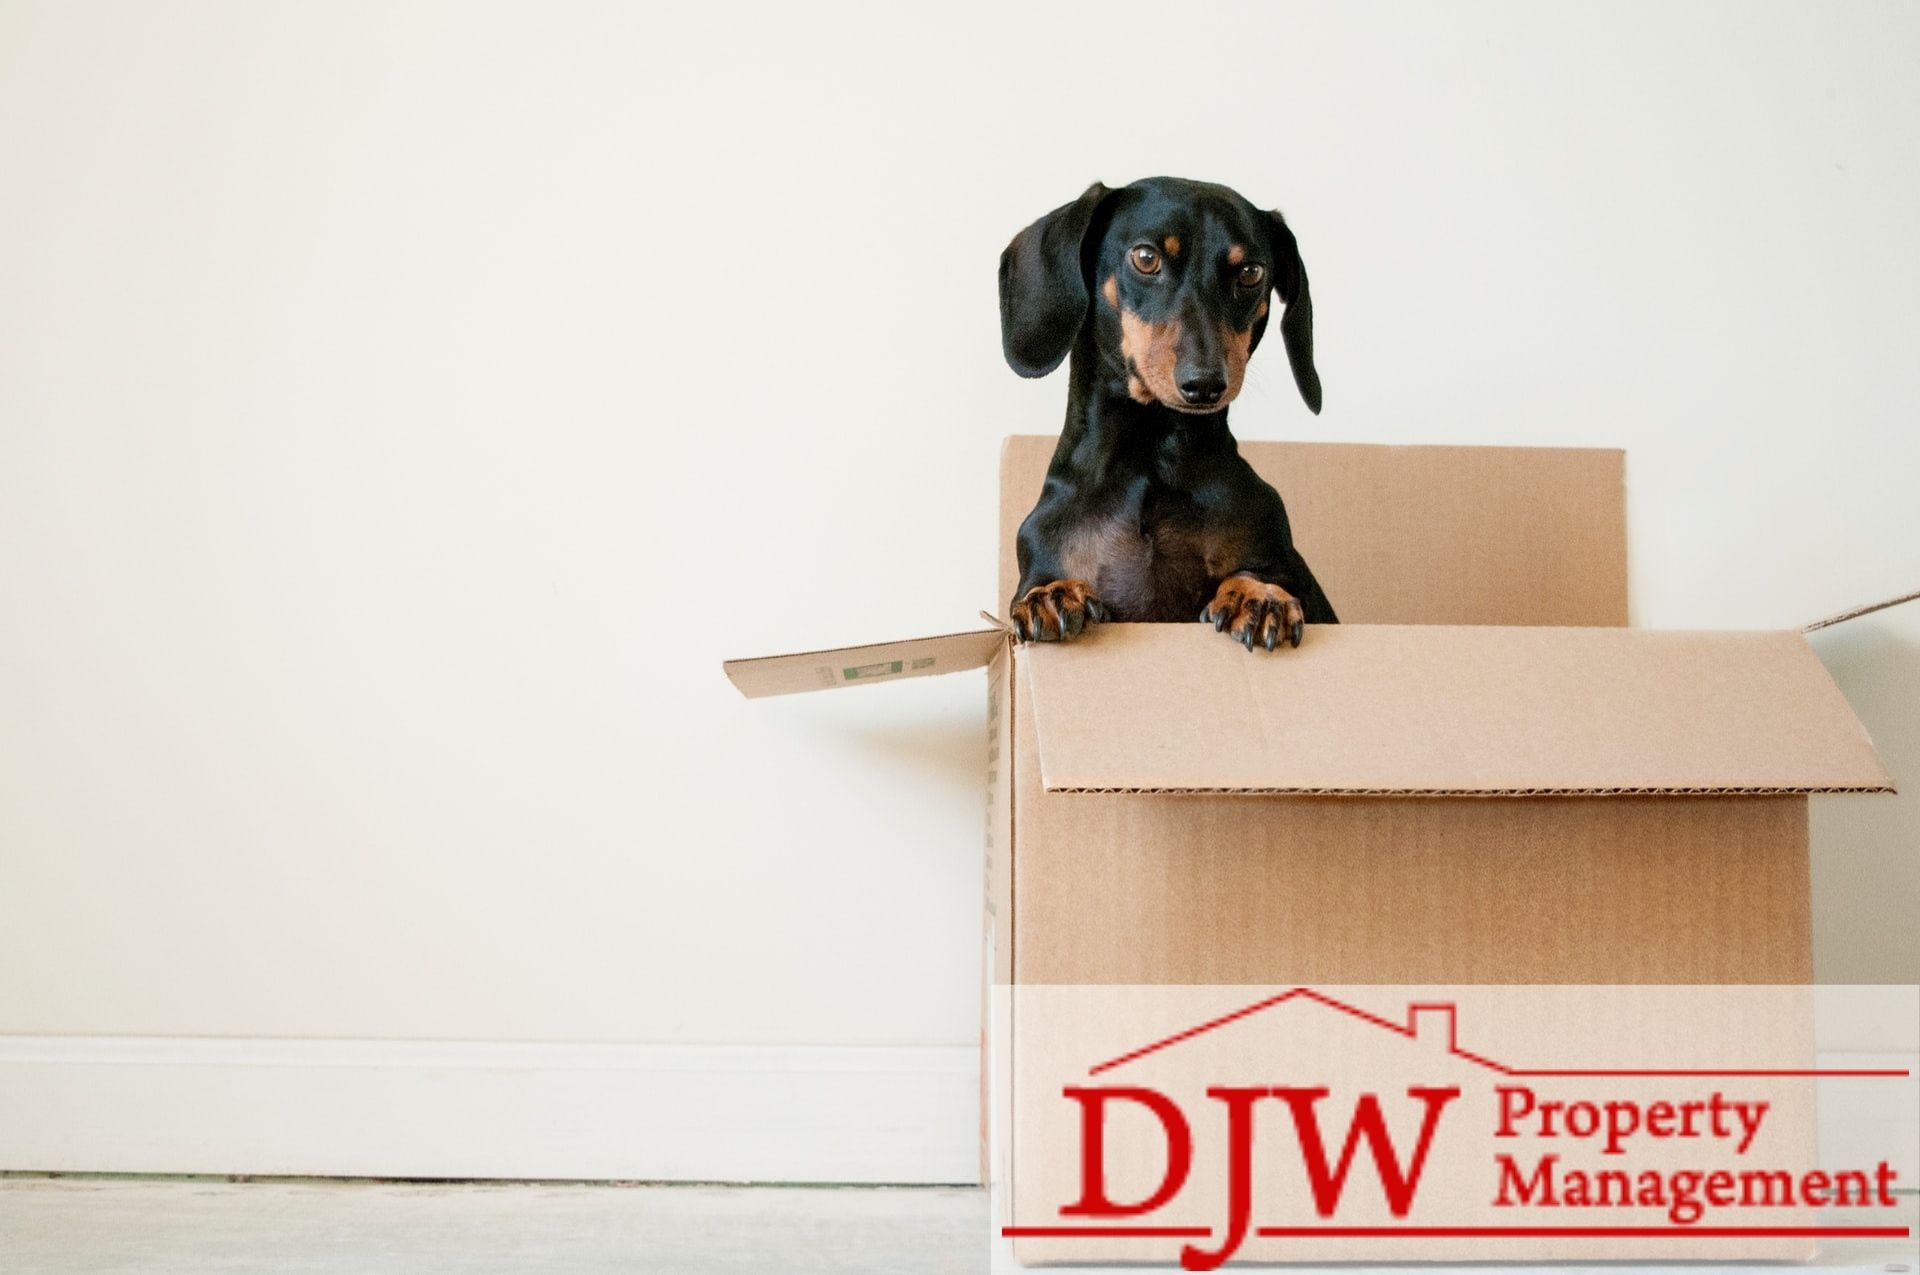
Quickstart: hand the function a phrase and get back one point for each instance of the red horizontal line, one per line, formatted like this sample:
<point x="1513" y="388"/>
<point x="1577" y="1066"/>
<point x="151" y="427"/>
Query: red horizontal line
<point x="1105" y="1232"/>
<point x="1467" y="1232"/>
<point x="1588" y="1232"/>
<point x="1821" y="1072"/>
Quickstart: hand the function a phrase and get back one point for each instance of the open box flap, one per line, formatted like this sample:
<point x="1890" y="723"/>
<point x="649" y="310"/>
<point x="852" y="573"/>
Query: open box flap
<point x="860" y="665"/>
<point x="1444" y="710"/>
<point x="1854" y="613"/>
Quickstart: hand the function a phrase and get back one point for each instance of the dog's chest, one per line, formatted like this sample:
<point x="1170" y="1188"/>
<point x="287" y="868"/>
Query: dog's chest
<point x="1149" y="555"/>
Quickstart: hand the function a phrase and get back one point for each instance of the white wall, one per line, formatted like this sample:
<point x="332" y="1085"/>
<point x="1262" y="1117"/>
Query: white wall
<point x="404" y="408"/>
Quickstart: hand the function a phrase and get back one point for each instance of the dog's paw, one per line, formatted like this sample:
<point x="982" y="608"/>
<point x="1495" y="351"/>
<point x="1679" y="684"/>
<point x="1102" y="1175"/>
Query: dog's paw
<point x="1057" y="611"/>
<point x="1255" y="613"/>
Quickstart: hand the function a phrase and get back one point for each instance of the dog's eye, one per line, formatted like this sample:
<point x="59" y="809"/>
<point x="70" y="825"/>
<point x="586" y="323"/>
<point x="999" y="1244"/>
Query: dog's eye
<point x="1145" y="259"/>
<point x="1252" y="276"/>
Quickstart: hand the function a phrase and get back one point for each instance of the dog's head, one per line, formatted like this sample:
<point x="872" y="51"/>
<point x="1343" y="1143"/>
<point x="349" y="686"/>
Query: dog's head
<point x="1171" y="277"/>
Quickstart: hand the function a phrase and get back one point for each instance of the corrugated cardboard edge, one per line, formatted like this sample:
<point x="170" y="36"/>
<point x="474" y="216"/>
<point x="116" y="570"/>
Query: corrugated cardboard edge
<point x="1856" y="612"/>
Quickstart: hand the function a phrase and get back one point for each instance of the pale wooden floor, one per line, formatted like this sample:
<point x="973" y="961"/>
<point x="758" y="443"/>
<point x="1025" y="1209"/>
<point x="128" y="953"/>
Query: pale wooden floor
<point x="72" y="1226"/>
<point x="107" y="1226"/>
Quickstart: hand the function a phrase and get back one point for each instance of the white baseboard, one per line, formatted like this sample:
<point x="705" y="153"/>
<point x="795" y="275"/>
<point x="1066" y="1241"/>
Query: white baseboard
<point x="420" y="1109"/>
<point x="667" y="1113"/>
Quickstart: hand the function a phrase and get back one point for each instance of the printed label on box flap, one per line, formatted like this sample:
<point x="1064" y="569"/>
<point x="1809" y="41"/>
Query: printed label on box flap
<point x="863" y="665"/>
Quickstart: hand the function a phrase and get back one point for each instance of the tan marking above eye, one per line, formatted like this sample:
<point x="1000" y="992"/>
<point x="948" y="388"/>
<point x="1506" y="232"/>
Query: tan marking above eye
<point x="1111" y="290"/>
<point x="1172" y="244"/>
<point x="1145" y="258"/>
<point x="1236" y="255"/>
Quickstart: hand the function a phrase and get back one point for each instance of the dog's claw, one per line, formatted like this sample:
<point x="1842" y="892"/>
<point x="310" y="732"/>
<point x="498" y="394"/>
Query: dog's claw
<point x="1255" y="614"/>
<point x="1056" y="611"/>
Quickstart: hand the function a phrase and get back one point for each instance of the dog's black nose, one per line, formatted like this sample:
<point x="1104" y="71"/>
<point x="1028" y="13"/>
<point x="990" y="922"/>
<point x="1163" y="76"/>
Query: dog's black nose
<point x="1203" y="390"/>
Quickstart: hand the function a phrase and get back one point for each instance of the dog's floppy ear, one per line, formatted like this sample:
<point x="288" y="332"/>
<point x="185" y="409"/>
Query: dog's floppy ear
<point x="1296" y="327"/>
<point x="1043" y="288"/>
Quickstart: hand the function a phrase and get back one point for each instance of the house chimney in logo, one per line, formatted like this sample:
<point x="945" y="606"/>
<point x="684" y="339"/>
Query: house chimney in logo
<point x="1432" y="1026"/>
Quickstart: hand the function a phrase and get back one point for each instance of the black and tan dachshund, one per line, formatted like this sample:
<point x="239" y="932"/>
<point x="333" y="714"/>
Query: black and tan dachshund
<point x="1160" y="292"/>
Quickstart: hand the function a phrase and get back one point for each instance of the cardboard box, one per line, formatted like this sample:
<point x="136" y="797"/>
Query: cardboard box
<point x="1482" y="777"/>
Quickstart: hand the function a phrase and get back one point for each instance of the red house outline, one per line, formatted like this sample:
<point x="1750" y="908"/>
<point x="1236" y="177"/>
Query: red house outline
<point x="1451" y="1010"/>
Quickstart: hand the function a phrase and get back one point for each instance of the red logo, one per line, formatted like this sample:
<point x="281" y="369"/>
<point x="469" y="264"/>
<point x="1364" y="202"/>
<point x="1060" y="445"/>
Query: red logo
<point x="1670" y="1147"/>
